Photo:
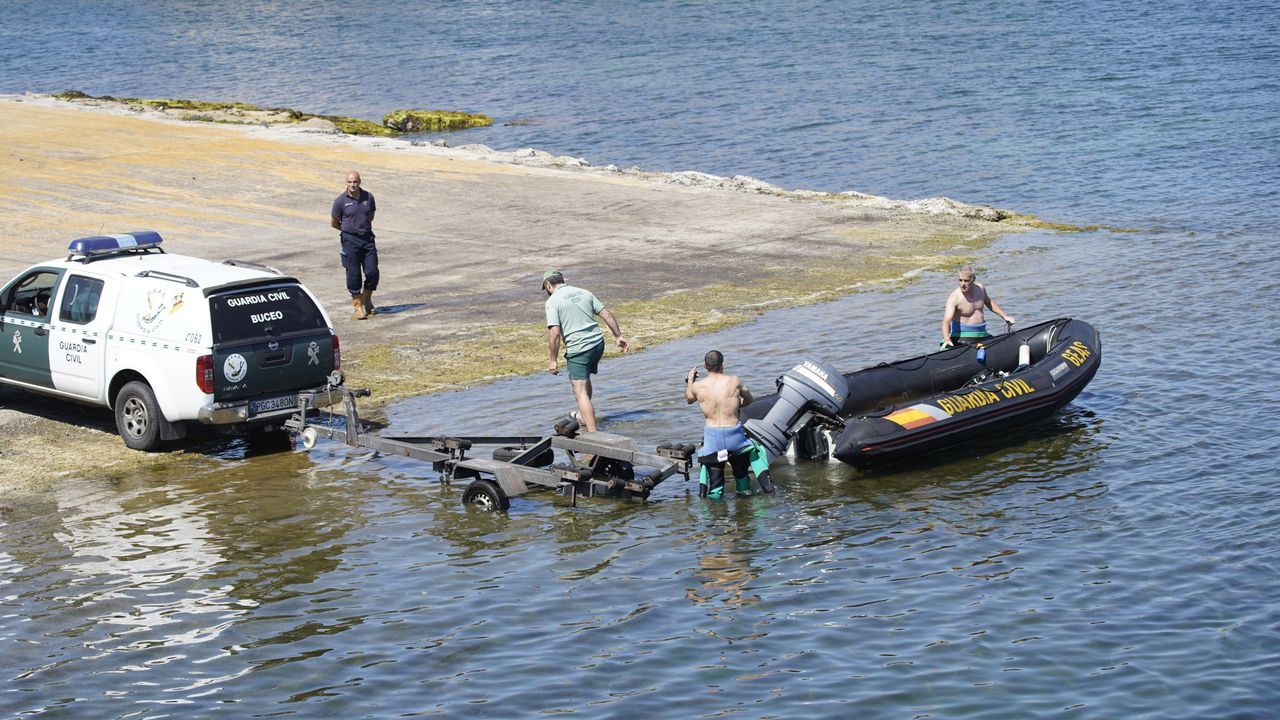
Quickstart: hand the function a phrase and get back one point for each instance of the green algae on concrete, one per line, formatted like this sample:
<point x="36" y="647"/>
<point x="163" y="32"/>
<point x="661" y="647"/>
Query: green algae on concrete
<point x="163" y="104"/>
<point x="412" y="121"/>
<point x="1035" y="223"/>
<point x="356" y="126"/>
<point x="250" y="114"/>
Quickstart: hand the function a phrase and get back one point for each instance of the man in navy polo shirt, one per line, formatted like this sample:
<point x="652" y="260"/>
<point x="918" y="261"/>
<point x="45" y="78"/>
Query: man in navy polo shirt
<point x="352" y="215"/>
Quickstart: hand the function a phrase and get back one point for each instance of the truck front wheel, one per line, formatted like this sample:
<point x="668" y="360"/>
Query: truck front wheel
<point x="138" y="416"/>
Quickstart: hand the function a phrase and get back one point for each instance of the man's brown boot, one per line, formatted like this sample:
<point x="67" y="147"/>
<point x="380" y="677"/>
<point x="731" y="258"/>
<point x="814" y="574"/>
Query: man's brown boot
<point x="366" y="297"/>
<point x="358" y="305"/>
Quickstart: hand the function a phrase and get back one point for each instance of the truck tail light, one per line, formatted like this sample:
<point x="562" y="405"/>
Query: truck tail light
<point x="204" y="374"/>
<point x="337" y="354"/>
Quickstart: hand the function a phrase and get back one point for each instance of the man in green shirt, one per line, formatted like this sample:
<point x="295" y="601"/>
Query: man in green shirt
<point x="571" y="318"/>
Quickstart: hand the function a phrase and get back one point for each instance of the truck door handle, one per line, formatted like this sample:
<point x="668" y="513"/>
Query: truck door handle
<point x="42" y="330"/>
<point x="88" y="341"/>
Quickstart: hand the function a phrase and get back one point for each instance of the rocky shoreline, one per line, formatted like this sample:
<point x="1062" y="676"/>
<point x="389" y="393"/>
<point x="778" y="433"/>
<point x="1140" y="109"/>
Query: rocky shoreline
<point x="463" y="233"/>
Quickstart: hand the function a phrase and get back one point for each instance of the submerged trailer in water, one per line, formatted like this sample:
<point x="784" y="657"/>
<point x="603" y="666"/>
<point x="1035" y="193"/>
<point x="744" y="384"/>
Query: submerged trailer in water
<point x="598" y="464"/>
<point x="921" y="405"/>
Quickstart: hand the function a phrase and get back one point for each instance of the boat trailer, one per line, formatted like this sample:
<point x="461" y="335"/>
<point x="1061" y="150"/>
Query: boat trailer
<point x="599" y="464"/>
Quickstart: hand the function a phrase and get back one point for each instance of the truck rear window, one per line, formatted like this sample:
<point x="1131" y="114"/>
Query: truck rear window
<point x="263" y="312"/>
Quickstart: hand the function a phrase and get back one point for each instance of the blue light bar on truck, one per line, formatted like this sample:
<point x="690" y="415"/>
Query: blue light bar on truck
<point x="106" y="244"/>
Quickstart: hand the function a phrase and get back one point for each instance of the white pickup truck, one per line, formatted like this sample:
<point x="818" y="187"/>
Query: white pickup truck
<point x="165" y="340"/>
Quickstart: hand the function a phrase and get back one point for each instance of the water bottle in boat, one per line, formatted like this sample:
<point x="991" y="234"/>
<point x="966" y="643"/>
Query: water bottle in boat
<point x="982" y="355"/>
<point x="1024" y="357"/>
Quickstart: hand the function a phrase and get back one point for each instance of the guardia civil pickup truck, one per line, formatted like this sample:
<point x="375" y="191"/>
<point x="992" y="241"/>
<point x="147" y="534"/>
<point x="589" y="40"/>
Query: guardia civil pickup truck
<point x="166" y="340"/>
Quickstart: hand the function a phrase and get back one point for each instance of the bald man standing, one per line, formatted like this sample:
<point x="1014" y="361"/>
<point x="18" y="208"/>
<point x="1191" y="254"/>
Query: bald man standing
<point x="352" y="216"/>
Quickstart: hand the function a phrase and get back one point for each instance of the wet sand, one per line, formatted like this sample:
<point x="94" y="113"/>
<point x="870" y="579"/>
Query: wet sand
<point x="464" y="234"/>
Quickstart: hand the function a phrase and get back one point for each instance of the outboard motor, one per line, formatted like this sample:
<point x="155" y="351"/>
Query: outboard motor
<point x="810" y="388"/>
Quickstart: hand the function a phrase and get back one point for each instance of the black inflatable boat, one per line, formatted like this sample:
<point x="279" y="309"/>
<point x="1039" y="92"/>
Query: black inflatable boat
<point x="924" y="404"/>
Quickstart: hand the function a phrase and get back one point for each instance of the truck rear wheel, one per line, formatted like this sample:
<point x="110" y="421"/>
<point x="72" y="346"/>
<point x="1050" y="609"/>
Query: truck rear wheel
<point x="138" y="416"/>
<point x="267" y="439"/>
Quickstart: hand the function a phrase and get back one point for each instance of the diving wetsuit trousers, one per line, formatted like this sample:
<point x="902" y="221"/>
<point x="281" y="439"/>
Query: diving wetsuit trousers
<point x="713" y="488"/>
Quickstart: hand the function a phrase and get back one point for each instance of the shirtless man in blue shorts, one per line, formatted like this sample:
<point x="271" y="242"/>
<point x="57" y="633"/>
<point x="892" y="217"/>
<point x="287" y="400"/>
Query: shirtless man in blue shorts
<point x="720" y="397"/>
<point x="963" y="320"/>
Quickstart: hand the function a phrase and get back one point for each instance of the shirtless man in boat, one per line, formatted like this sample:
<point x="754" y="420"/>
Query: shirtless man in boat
<point x="964" y="321"/>
<point x="720" y="396"/>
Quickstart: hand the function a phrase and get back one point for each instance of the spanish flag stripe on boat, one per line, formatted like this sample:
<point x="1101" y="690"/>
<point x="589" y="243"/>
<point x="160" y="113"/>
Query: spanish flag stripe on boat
<point x="917" y="415"/>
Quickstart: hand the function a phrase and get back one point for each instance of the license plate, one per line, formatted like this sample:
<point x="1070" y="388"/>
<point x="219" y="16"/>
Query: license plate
<point x="272" y="404"/>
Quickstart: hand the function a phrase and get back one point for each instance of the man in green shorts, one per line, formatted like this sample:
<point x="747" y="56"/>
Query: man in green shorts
<point x="571" y="317"/>
<point x="963" y="320"/>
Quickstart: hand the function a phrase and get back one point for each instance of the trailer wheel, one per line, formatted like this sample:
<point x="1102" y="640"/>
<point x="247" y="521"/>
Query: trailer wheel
<point x="308" y="437"/>
<point x="486" y="495"/>
<point x="507" y="454"/>
<point x="138" y="416"/>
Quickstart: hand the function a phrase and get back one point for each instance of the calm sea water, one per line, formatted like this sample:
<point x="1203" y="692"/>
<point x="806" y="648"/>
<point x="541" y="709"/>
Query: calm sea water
<point x="1116" y="561"/>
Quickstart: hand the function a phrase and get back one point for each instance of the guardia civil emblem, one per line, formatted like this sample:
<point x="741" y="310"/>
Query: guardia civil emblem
<point x="235" y="367"/>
